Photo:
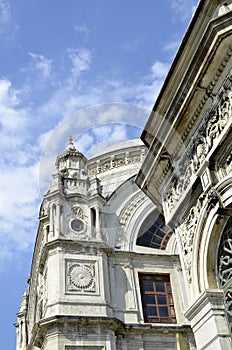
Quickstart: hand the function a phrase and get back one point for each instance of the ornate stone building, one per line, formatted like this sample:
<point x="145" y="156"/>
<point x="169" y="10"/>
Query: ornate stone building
<point x="101" y="243"/>
<point x="134" y="246"/>
<point x="188" y="171"/>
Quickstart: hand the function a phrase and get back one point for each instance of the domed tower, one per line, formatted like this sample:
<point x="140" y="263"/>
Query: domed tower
<point x="105" y="272"/>
<point x="65" y="285"/>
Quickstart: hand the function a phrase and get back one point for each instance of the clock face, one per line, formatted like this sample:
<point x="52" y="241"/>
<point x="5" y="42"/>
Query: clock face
<point x="77" y="225"/>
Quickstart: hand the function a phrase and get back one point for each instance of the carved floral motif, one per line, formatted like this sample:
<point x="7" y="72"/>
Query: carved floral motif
<point x="81" y="277"/>
<point x="186" y="232"/>
<point x="208" y="135"/>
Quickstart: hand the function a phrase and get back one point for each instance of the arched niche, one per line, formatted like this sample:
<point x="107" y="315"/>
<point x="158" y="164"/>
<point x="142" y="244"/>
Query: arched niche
<point x="211" y="221"/>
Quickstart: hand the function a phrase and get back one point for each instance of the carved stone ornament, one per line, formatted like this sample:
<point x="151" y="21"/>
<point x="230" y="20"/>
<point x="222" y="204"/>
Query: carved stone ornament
<point x="81" y="277"/>
<point x="186" y="232"/>
<point x="131" y="207"/>
<point x="78" y="211"/>
<point x="224" y="271"/>
<point x="207" y="136"/>
<point x="116" y="162"/>
<point x="225" y="255"/>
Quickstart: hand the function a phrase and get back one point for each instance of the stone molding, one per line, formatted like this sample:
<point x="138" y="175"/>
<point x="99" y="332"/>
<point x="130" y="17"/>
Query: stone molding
<point x="131" y="207"/>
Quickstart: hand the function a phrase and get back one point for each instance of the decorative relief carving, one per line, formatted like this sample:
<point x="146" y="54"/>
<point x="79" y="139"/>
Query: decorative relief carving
<point x="224" y="164"/>
<point x="78" y="211"/>
<point x="207" y="136"/>
<point x="225" y="256"/>
<point x="224" y="271"/>
<point x="186" y="232"/>
<point x="117" y="161"/>
<point x="128" y="211"/>
<point x="81" y="277"/>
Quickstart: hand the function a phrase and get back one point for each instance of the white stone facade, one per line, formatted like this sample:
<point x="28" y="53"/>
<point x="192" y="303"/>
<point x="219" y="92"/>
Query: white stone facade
<point x="134" y="246"/>
<point x="84" y="290"/>
<point x="187" y="172"/>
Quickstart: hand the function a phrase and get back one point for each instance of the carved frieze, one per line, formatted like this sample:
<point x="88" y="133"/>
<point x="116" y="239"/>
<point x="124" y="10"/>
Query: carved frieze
<point x="207" y="136"/>
<point x="81" y="277"/>
<point x="117" y="161"/>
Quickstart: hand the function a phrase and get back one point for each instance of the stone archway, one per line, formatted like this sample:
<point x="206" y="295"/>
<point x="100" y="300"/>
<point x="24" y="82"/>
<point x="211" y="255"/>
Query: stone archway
<point x="224" y="268"/>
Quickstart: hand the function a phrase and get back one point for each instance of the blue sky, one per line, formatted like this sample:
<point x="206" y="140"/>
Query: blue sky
<point x="90" y="68"/>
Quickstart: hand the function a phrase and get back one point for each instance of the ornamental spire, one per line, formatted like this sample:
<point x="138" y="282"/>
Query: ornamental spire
<point x="71" y="145"/>
<point x="70" y="140"/>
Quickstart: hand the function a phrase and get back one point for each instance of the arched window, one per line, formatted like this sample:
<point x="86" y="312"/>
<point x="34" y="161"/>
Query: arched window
<point x="224" y="268"/>
<point x="154" y="233"/>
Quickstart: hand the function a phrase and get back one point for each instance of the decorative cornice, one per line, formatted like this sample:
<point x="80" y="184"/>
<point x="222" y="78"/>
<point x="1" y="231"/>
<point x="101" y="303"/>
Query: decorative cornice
<point x="116" y="159"/>
<point x="212" y="128"/>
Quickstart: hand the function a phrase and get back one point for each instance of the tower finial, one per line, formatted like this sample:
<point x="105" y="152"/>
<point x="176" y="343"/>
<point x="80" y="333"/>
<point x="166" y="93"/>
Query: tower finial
<point x="70" y="140"/>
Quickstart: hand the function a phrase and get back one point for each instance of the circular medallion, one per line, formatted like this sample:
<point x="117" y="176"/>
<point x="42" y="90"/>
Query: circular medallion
<point x="80" y="276"/>
<point x="77" y="225"/>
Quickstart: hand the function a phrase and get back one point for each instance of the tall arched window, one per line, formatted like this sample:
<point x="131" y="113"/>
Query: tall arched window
<point x="224" y="269"/>
<point x="154" y="233"/>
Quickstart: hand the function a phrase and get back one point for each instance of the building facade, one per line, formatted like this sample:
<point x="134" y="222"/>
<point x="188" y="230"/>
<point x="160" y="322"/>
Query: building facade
<point x="187" y="172"/>
<point x="103" y="261"/>
<point x="134" y="246"/>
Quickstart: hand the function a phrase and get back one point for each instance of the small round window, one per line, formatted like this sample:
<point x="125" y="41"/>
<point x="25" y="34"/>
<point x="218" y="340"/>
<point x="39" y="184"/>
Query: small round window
<point x="77" y="225"/>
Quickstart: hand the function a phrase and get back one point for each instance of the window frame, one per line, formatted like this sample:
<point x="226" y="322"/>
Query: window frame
<point x="168" y="307"/>
<point x="156" y="236"/>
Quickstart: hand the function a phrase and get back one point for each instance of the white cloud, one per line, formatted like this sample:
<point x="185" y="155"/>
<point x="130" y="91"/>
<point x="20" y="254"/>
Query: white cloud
<point x="131" y="46"/>
<point x="82" y="29"/>
<point x="159" y="70"/>
<point x="184" y="9"/>
<point x="18" y="174"/>
<point x="5" y="15"/>
<point x="42" y="65"/>
<point x="171" y="46"/>
<point x="13" y="119"/>
<point x="21" y="165"/>
<point x="81" y="59"/>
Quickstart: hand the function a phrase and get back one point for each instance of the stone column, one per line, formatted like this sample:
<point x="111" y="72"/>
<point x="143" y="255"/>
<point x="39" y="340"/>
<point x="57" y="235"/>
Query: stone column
<point x="207" y="317"/>
<point x="130" y="286"/>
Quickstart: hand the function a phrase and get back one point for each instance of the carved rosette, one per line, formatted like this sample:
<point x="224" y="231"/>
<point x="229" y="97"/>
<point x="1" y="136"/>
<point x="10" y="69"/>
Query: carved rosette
<point x="81" y="277"/>
<point x="206" y="138"/>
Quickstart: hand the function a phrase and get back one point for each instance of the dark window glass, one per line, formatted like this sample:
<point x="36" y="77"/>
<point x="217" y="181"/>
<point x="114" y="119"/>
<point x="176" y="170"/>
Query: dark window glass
<point x="150" y="299"/>
<point x="160" y="286"/>
<point x="157" y="298"/>
<point x="157" y="236"/>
